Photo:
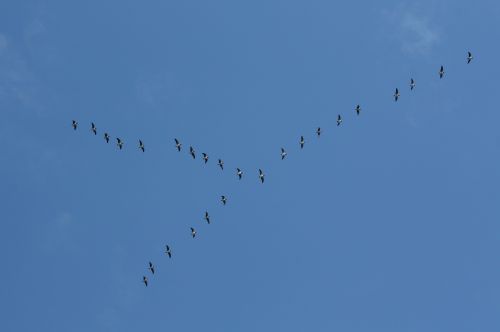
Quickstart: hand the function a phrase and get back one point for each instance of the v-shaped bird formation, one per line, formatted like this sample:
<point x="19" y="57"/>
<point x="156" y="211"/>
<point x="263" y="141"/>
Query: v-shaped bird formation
<point x="239" y="172"/>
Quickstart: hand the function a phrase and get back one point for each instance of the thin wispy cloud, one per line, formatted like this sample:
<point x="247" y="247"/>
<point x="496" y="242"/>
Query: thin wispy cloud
<point x="416" y="32"/>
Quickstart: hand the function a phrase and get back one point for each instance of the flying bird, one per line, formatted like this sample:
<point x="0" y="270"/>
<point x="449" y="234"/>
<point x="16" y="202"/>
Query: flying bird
<point x="74" y="124"/>
<point x="223" y="199"/>
<point x="106" y="137"/>
<point x="193" y="232"/>
<point x="145" y="280"/>
<point x="93" y="128"/>
<point x="239" y="172"/>
<point x="168" y="251"/>
<point x="221" y="164"/>
<point x="207" y="217"/>
<point x="469" y="57"/>
<point x="151" y="268"/>
<point x="302" y="142"/>
<point x="283" y="153"/>
<point x="178" y="144"/>
<point x="141" y="146"/>
<point x="261" y="175"/>
<point x="191" y="151"/>
<point x="396" y="95"/>
<point x="318" y="131"/>
<point x="412" y="84"/>
<point x="205" y="157"/>
<point x="358" y="109"/>
<point x="441" y="72"/>
<point x="119" y="143"/>
<point x="339" y="120"/>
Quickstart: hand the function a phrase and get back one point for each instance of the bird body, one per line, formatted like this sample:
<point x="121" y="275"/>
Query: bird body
<point x="302" y="142"/>
<point x="141" y="146"/>
<point x="74" y="124"/>
<point x="178" y="144"/>
<point x="396" y="95"/>
<point x="318" y="131"/>
<point x="145" y="280"/>
<point x="283" y="153"/>
<point x="168" y="251"/>
<point x="151" y="268"/>
<point x="469" y="57"/>
<point x="339" y="120"/>
<point x="441" y="72"/>
<point x="223" y="199"/>
<point x="192" y="152"/>
<point x="106" y="137"/>
<point x="358" y="109"/>
<point x="261" y="176"/>
<point x="412" y="84"/>
<point x="205" y="157"/>
<point x="221" y="164"/>
<point x="193" y="232"/>
<point x="207" y="217"/>
<point x="119" y="142"/>
<point x="93" y="128"/>
<point x="239" y="172"/>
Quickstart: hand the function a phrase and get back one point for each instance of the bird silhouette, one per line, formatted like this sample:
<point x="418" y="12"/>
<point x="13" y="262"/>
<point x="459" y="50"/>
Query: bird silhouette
<point x="412" y="84"/>
<point x="106" y="137"/>
<point x="221" y="164"/>
<point x="207" y="217"/>
<point x="223" y="199"/>
<point x="193" y="232"/>
<point x="469" y="57"/>
<point x="93" y="128"/>
<point x="141" y="146"/>
<point x="261" y="176"/>
<point x="396" y="95"/>
<point x="74" y="124"/>
<point x="145" y="280"/>
<point x="192" y="152"/>
<point x="318" y="131"/>
<point x="119" y="142"/>
<point x="339" y="120"/>
<point x="441" y="72"/>
<point x="205" y="157"/>
<point x="168" y="251"/>
<point x="151" y="268"/>
<point x="358" y="109"/>
<point x="283" y="153"/>
<point x="178" y="144"/>
<point x="302" y="142"/>
<point x="239" y="172"/>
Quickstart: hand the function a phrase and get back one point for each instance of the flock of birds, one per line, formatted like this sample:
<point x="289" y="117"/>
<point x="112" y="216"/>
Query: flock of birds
<point x="239" y="172"/>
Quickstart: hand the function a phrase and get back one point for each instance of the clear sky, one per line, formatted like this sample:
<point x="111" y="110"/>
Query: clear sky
<point x="389" y="222"/>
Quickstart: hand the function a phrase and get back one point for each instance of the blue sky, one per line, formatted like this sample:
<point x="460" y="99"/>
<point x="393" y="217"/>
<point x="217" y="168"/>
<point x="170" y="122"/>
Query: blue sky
<point x="389" y="222"/>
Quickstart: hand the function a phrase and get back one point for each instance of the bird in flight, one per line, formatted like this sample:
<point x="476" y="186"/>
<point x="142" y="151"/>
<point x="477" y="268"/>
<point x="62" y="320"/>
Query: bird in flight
<point x="106" y="137"/>
<point x="193" y="232"/>
<point x="221" y="164"/>
<point x="302" y="142"/>
<point x="178" y="144"/>
<point x="168" y="251"/>
<point x="151" y="268"/>
<point x="223" y="199"/>
<point x="191" y="151"/>
<point x="145" y="280"/>
<point x="74" y="124"/>
<point x="318" y="131"/>
<point x="205" y="157"/>
<point x="396" y="95"/>
<point x="283" y="153"/>
<point x="469" y="57"/>
<point x="358" y="109"/>
<point x="93" y="128"/>
<point x="207" y="217"/>
<point x="339" y="120"/>
<point x="412" y="84"/>
<point x="239" y="172"/>
<point x="141" y="146"/>
<point x="441" y="72"/>
<point x="261" y="176"/>
<point x="119" y="143"/>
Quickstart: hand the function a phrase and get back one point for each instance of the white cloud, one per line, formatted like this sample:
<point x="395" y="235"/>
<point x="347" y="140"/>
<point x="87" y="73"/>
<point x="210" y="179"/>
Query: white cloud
<point x="414" y="29"/>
